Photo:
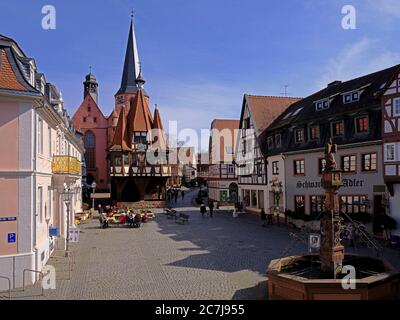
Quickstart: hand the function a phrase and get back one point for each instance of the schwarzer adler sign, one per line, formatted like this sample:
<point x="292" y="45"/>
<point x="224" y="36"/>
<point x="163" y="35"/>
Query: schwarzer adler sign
<point x="346" y="183"/>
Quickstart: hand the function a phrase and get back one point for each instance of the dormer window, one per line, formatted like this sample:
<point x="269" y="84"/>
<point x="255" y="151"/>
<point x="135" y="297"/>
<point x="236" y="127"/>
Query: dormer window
<point x="270" y="143"/>
<point x="278" y="140"/>
<point x="337" y="128"/>
<point x="322" y="105"/>
<point x="299" y="136"/>
<point x="314" y="133"/>
<point x="351" y="97"/>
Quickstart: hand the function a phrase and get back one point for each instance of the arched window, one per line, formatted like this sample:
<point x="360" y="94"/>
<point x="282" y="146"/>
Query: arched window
<point x="90" y="142"/>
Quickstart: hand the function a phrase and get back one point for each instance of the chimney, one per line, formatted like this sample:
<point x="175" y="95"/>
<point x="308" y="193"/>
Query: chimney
<point x="334" y="83"/>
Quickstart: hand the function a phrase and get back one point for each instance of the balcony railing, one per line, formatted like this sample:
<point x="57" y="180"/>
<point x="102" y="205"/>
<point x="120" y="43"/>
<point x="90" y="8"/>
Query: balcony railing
<point x="66" y="165"/>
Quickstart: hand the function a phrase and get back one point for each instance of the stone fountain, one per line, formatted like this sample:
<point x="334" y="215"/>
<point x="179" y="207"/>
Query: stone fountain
<point x="332" y="274"/>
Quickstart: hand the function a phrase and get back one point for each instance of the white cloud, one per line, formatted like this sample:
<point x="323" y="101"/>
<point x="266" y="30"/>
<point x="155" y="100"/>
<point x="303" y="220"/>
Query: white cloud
<point x="358" y="59"/>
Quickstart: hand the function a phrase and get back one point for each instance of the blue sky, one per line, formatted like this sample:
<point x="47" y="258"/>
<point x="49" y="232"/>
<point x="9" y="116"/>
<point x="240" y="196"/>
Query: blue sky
<point x="200" y="57"/>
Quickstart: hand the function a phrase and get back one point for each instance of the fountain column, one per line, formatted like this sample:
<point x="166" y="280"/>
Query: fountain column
<point x="332" y="251"/>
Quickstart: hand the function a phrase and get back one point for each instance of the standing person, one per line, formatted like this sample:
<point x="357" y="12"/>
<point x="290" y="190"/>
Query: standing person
<point x="269" y="217"/>
<point x="263" y="217"/>
<point x="183" y="194"/>
<point x="211" y="206"/>
<point x="203" y="208"/>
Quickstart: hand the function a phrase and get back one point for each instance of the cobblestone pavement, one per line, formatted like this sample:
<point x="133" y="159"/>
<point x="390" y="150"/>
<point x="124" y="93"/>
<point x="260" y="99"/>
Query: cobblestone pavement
<point x="209" y="258"/>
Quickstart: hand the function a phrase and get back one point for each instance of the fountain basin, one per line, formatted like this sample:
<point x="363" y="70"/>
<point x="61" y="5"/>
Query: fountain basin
<point x="301" y="278"/>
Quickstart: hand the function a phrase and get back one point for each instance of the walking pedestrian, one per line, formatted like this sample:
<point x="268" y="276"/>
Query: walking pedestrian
<point x="269" y="217"/>
<point x="203" y="208"/>
<point x="211" y="206"/>
<point x="263" y="217"/>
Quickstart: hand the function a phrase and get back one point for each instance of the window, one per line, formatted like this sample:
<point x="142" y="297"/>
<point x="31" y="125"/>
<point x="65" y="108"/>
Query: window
<point x="90" y="142"/>
<point x="246" y="123"/>
<point x="299" y="167"/>
<point x="351" y="97"/>
<point x="299" y="135"/>
<point x="275" y="168"/>
<point x="314" y="133"/>
<point x="278" y="140"/>
<point x="338" y="128"/>
<point x="39" y="212"/>
<point x="229" y="150"/>
<point x="270" y="143"/>
<point x="396" y="107"/>
<point x="244" y="148"/>
<point x="40" y="136"/>
<point x="49" y="198"/>
<point x="321" y="165"/>
<point x="50" y="143"/>
<point x="317" y="204"/>
<point x="253" y="199"/>
<point x="369" y="162"/>
<point x="390" y="154"/>
<point x="140" y="139"/>
<point x="353" y="204"/>
<point x="259" y="169"/>
<point x="89" y="109"/>
<point x="84" y="119"/>
<point x="299" y="204"/>
<point x="349" y="163"/>
<point x="362" y="124"/>
<point x="231" y="169"/>
<point x="322" y="105"/>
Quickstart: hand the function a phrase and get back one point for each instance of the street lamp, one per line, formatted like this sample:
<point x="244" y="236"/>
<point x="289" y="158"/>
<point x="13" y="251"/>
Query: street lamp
<point x="93" y="191"/>
<point x="67" y="200"/>
<point x="277" y="190"/>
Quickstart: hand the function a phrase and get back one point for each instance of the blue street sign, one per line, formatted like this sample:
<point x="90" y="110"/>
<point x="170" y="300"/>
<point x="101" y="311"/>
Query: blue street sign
<point x="12" y="238"/>
<point x="53" y="231"/>
<point x="8" y="219"/>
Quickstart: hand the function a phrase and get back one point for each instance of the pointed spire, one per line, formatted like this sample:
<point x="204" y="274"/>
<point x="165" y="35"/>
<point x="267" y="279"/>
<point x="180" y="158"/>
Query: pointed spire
<point x="157" y="123"/>
<point x="139" y="116"/>
<point x="119" y="140"/>
<point x="131" y="69"/>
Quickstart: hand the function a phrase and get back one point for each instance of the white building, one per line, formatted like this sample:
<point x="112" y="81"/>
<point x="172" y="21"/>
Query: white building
<point x="40" y="156"/>
<point x="258" y="112"/>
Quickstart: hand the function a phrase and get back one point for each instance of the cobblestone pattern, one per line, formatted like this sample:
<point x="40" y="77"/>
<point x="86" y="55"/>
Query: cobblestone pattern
<point x="209" y="258"/>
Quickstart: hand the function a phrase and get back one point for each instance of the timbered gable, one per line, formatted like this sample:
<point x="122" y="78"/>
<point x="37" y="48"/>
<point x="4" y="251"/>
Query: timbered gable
<point x="391" y="108"/>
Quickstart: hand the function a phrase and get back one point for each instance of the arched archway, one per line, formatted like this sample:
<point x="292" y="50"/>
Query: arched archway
<point x="89" y="179"/>
<point x="233" y="192"/>
<point x="131" y="192"/>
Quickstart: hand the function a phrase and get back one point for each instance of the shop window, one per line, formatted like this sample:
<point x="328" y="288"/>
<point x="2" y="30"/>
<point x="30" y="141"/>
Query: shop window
<point x="369" y="162"/>
<point x="299" y="204"/>
<point x="349" y="163"/>
<point x="317" y="205"/>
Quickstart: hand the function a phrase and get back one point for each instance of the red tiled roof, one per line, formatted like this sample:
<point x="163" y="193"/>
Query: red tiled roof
<point x="120" y="138"/>
<point x="8" y="78"/>
<point x="139" y="116"/>
<point x="157" y="124"/>
<point x="265" y="109"/>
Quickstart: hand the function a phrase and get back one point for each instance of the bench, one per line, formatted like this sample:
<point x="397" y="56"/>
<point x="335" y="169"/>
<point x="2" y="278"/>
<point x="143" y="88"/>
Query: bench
<point x="182" y="218"/>
<point x="171" y="214"/>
